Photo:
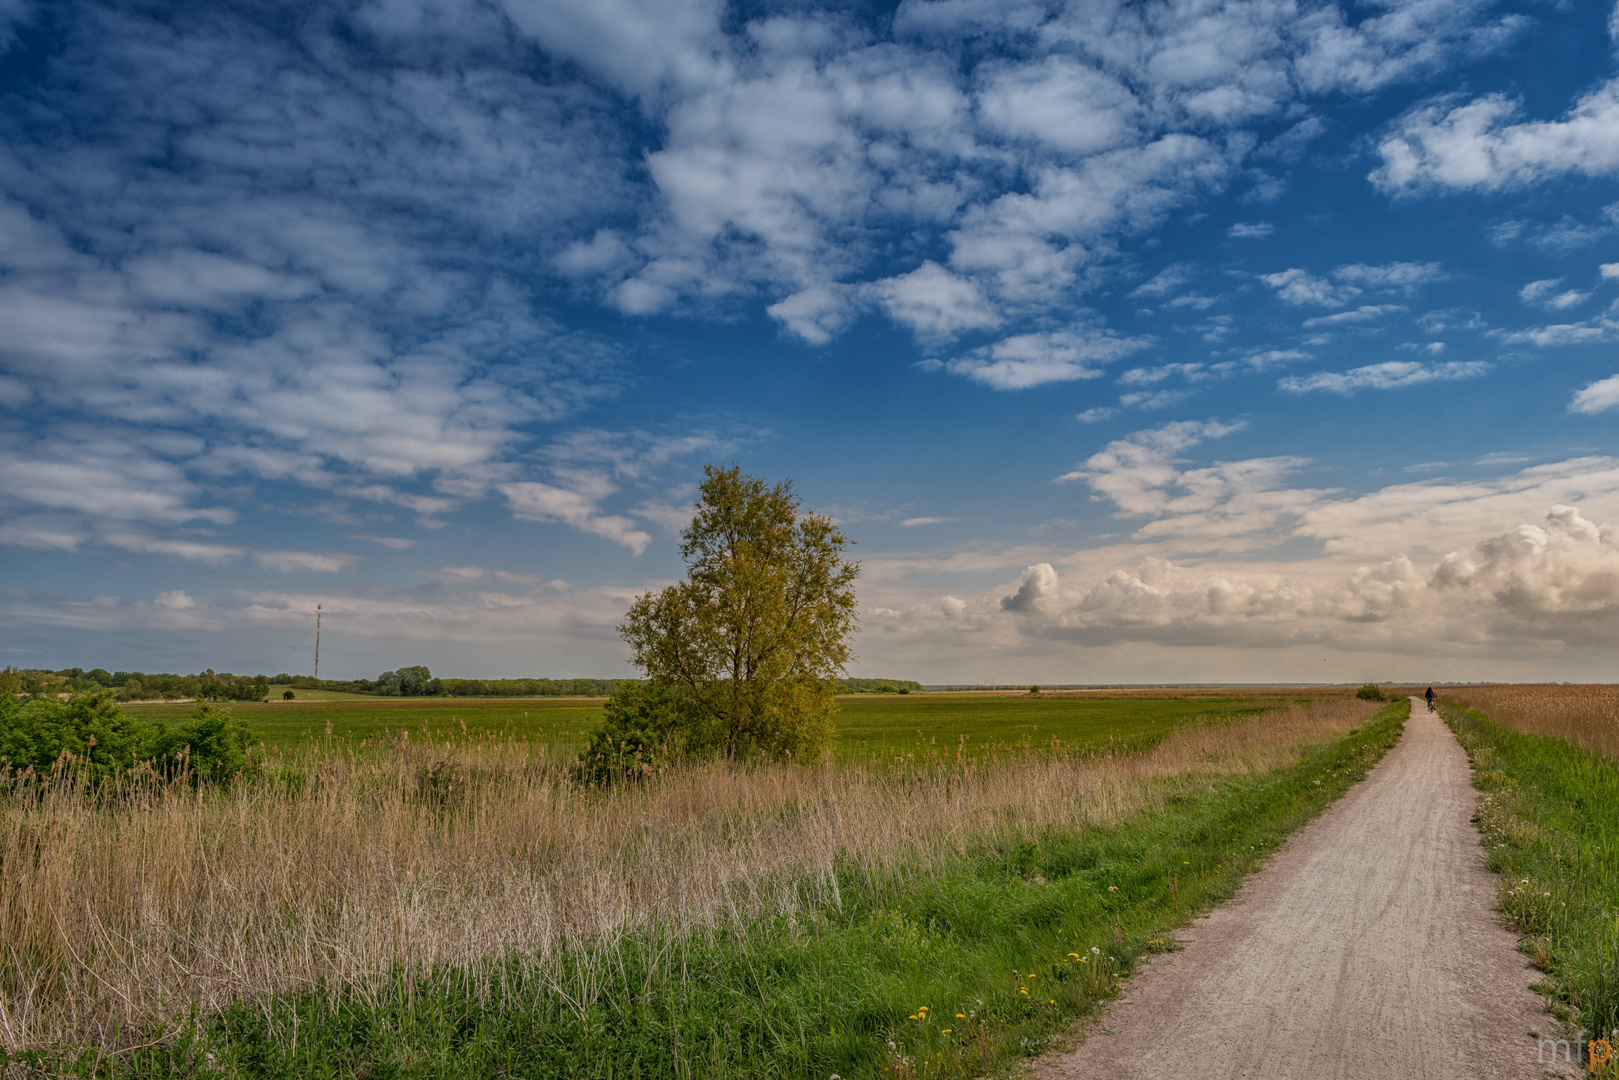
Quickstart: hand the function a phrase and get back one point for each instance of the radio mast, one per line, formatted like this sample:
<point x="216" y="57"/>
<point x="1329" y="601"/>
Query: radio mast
<point x="317" y="641"/>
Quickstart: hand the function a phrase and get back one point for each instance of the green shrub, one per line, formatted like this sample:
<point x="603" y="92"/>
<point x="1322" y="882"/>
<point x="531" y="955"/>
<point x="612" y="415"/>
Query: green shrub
<point x="95" y="734"/>
<point x="1371" y="692"/>
<point x="90" y="728"/>
<point x="646" y="730"/>
<point x="213" y="745"/>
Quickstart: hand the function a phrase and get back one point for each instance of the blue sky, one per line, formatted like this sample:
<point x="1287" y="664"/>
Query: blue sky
<point x="1239" y="341"/>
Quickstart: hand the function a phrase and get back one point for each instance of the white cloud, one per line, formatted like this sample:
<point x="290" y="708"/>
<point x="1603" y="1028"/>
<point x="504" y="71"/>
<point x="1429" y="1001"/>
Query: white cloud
<point x="578" y="506"/>
<point x="1169" y="279"/>
<point x="936" y="303"/>
<point x="915" y="522"/>
<point x="1060" y="102"/>
<point x="1255" y="230"/>
<point x="816" y="314"/>
<point x="1402" y="276"/>
<point x="1029" y="360"/>
<point x="392" y="543"/>
<point x="1153" y="399"/>
<point x="1558" y="334"/>
<point x="1364" y="313"/>
<point x="1536" y="291"/>
<point x="1600" y="396"/>
<point x="1557" y="580"/>
<point x="1096" y="414"/>
<point x="290" y="562"/>
<point x="1299" y="287"/>
<point x="1482" y="144"/>
<point x="1225" y="503"/>
<point x="1389" y="375"/>
<point x="1273" y="358"/>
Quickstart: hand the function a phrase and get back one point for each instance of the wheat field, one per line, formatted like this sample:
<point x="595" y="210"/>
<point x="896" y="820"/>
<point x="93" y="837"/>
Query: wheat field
<point x="125" y="909"/>
<point x="1585" y="715"/>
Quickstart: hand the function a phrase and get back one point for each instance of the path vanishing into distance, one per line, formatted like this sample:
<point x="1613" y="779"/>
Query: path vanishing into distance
<point x="1367" y="948"/>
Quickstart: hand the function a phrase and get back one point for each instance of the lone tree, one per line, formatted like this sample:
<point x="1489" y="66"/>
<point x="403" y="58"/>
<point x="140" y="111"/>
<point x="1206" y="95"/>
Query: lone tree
<point x="751" y="642"/>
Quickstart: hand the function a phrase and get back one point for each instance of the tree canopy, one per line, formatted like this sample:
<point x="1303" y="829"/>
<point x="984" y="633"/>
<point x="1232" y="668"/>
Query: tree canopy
<point x="755" y="637"/>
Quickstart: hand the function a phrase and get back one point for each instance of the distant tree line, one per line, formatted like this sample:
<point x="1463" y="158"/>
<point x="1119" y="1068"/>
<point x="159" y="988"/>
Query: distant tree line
<point x="208" y="685"/>
<point x="879" y="686"/>
<point x="414" y="681"/>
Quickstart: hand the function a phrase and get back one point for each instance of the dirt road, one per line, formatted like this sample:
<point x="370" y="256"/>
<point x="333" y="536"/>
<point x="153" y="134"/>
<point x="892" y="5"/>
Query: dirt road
<point x="1367" y="949"/>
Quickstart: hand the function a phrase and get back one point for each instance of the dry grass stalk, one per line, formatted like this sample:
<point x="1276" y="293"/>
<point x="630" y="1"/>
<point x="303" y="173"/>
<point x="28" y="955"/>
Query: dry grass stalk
<point x="120" y="911"/>
<point x="1587" y="716"/>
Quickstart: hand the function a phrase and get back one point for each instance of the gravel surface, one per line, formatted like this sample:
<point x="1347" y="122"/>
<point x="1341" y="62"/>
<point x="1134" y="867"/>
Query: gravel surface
<point x="1368" y="948"/>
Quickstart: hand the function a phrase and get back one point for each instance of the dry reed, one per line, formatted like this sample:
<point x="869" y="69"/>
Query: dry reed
<point x="122" y="910"/>
<point x="1586" y="716"/>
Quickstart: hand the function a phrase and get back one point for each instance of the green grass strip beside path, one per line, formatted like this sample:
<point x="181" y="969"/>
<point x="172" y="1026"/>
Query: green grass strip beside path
<point x="993" y="937"/>
<point x="1550" y="819"/>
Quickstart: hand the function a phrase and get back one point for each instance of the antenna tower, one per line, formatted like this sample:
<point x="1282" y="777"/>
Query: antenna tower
<point x="317" y="641"/>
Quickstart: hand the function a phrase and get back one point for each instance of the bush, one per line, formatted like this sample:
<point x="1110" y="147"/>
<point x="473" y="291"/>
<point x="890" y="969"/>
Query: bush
<point x="97" y="735"/>
<point x="1371" y="692"/>
<point x="95" y="732"/>
<point x="212" y="744"/>
<point x="647" y="729"/>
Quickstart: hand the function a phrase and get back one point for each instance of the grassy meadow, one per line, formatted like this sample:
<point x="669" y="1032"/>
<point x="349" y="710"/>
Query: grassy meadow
<point x="1544" y="758"/>
<point x="456" y="907"/>
<point x="868" y="725"/>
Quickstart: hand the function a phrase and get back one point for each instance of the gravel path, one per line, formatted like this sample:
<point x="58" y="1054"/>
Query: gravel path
<point x="1368" y="948"/>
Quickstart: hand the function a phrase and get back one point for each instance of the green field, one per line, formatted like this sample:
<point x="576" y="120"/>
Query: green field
<point x="923" y="725"/>
<point x="949" y="974"/>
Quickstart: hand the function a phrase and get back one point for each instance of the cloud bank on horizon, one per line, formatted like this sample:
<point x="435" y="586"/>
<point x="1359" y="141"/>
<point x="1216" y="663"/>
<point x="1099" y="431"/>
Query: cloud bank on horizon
<point x="1131" y="341"/>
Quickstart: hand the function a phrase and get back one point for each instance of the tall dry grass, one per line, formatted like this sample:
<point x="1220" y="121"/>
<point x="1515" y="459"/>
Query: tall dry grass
<point x="121" y="910"/>
<point x="1586" y="716"/>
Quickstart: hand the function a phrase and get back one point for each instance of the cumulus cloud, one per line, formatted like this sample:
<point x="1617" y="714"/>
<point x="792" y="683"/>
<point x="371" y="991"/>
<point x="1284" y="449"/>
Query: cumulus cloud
<point x="1557" y="579"/>
<point x="1299" y="287"/>
<point x="1600" y="396"/>
<point x="1546" y="294"/>
<point x="1562" y="574"/>
<point x="1484" y="145"/>
<point x="935" y="302"/>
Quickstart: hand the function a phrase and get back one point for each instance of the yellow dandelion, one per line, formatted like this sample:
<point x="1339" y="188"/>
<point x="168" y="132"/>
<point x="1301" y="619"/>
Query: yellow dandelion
<point x="1112" y="888"/>
<point x="911" y="1017"/>
<point x="1073" y="956"/>
<point x="961" y="1016"/>
<point x="944" y="1031"/>
<point x="1023" y="989"/>
<point x="1053" y="1001"/>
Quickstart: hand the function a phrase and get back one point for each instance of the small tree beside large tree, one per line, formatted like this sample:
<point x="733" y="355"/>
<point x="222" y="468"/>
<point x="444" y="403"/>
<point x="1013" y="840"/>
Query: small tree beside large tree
<point x="745" y="653"/>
